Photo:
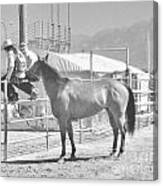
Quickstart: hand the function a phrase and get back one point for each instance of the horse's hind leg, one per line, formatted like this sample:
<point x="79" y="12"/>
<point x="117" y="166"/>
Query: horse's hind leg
<point x="115" y="131"/>
<point x="70" y="134"/>
<point x="121" y="126"/>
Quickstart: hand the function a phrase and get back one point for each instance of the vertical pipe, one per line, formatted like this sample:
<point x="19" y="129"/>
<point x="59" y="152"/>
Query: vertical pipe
<point x="5" y="29"/>
<point x="34" y="29"/>
<point x="148" y="53"/>
<point x="149" y="65"/>
<point x="91" y="75"/>
<point x="59" y="28"/>
<point x="80" y="131"/>
<point x="48" y="31"/>
<point x="47" y="126"/>
<point x="68" y="6"/>
<point x="65" y="39"/>
<point x="5" y="120"/>
<point x="42" y="34"/>
<point x="128" y="57"/>
<point x="39" y="30"/>
<point x="52" y="25"/>
<point x="48" y="34"/>
<point x="149" y="69"/>
<point x="51" y="11"/>
<point x="34" y="105"/>
<point x="22" y="24"/>
<point x="127" y="66"/>
<point x="69" y="30"/>
<point x="58" y="14"/>
<point x="91" y="65"/>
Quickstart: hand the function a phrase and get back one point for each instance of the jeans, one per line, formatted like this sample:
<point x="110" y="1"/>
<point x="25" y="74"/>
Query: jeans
<point x="21" y="84"/>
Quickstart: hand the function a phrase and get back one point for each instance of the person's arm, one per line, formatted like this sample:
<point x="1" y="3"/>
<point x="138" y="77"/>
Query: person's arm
<point x="11" y="64"/>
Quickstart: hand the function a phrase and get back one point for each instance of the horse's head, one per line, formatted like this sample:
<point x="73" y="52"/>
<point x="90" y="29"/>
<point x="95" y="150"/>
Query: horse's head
<point x="36" y="69"/>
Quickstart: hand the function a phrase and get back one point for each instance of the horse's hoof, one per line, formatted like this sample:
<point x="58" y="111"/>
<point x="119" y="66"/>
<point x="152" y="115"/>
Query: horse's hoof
<point x="73" y="157"/>
<point x="111" y="154"/>
<point x="116" y="156"/>
<point x="61" y="159"/>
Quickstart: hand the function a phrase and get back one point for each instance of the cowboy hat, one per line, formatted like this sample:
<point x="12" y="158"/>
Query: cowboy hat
<point x="7" y="43"/>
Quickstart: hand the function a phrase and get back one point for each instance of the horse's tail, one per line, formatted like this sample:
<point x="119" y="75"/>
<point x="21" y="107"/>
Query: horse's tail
<point x="131" y="112"/>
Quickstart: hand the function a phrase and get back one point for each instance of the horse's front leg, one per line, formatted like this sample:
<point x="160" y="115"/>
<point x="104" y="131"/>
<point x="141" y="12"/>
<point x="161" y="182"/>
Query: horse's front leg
<point x="62" y="126"/>
<point x="70" y="134"/>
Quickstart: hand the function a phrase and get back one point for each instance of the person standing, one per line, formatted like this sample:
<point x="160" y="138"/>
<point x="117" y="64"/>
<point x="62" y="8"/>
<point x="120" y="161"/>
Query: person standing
<point x="16" y="73"/>
<point x="30" y="56"/>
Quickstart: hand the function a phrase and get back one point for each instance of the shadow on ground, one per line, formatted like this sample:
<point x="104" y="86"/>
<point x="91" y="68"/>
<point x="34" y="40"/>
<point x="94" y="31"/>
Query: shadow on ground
<point x="55" y="160"/>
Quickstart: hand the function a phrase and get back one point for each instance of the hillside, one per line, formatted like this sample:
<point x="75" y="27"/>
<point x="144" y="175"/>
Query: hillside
<point x="134" y="37"/>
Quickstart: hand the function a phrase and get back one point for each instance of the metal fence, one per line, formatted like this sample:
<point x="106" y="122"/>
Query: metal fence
<point x="144" y="116"/>
<point x="144" y="109"/>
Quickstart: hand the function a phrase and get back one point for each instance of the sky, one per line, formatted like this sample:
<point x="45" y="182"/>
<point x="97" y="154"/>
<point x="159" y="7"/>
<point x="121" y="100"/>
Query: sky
<point x="86" y="18"/>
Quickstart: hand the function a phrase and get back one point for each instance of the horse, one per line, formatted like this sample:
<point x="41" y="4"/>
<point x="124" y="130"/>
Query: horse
<point x="73" y="99"/>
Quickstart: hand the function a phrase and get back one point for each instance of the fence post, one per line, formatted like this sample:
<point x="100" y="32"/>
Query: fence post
<point x="5" y="119"/>
<point x="128" y="79"/>
<point x="80" y="131"/>
<point x="91" y="65"/>
<point x="47" y="125"/>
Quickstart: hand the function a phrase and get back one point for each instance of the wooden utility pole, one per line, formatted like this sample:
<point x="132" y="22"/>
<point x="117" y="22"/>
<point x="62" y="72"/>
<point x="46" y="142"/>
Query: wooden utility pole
<point x="22" y="24"/>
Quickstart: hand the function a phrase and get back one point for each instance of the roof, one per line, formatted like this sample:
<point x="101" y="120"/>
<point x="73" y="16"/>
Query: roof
<point x="81" y="62"/>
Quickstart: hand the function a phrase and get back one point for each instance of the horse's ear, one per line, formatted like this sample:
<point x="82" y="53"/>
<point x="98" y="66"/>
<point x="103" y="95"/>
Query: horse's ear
<point x="46" y="57"/>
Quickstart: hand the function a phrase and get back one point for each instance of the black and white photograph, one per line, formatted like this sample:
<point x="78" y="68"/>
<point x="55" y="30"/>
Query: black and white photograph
<point x="79" y="90"/>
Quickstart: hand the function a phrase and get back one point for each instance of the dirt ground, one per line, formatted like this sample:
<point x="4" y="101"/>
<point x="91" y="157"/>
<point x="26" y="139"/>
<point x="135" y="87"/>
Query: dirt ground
<point x="92" y="161"/>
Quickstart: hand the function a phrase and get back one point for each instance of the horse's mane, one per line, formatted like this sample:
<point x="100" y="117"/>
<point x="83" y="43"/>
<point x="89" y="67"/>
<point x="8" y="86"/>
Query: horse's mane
<point x="52" y="73"/>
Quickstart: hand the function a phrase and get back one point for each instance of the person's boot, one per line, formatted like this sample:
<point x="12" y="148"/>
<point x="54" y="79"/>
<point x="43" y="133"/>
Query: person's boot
<point x="34" y="94"/>
<point x="16" y="113"/>
<point x="14" y="97"/>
